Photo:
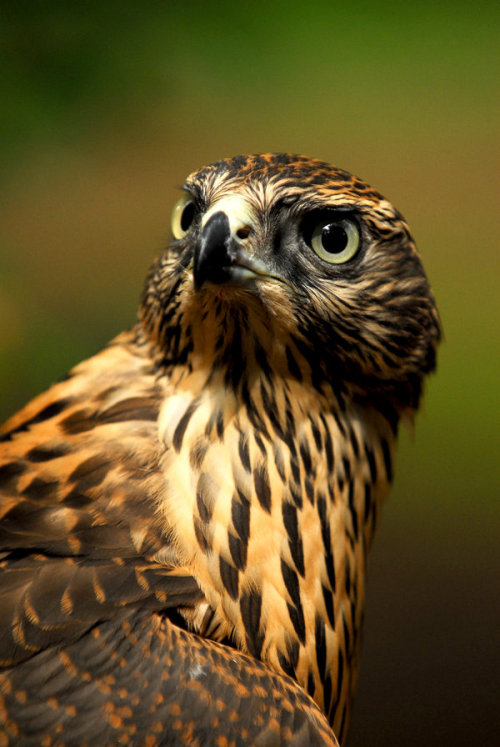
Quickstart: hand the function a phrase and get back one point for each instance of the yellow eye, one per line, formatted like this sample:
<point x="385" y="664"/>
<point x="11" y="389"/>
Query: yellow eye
<point x="182" y="216"/>
<point x="336" y="241"/>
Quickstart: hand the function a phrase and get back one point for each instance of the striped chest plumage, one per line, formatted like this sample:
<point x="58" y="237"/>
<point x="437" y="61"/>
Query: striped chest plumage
<point x="272" y="492"/>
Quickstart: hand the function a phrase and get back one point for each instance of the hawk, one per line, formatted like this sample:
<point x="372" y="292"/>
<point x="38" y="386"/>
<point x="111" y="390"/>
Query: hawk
<point x="185" y="518"/>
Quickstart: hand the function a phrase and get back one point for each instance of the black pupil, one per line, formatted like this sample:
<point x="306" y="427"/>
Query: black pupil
<point x="334" y="238"/>
<point x="187" y="216"/>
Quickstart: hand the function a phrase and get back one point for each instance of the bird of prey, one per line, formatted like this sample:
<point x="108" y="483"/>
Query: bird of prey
<point x="185" y="518"/>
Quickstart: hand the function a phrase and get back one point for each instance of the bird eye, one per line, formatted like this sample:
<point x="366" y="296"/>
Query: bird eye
<point x="336" y="241"/>
<point x="182" y="216"/>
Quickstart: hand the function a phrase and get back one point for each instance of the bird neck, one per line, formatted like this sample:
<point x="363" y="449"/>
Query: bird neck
<point x="272" y="491"/>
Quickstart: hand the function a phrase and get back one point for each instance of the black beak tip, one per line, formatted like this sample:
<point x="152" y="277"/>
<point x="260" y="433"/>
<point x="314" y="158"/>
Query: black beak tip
<point x="212" y="258"/>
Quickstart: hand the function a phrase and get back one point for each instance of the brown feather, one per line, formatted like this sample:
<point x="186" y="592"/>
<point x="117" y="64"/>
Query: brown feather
<point x="219" y="468"/>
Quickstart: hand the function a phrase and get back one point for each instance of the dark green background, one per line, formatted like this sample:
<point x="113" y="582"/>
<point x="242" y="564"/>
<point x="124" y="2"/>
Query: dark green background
<point x="108" y="106"/>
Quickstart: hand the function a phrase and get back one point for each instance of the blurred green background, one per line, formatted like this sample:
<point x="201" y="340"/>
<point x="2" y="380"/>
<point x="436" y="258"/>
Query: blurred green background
<point x="108" y="106"/>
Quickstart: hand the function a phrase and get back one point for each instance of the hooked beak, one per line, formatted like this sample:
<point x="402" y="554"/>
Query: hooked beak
<point x="220" y="258"/>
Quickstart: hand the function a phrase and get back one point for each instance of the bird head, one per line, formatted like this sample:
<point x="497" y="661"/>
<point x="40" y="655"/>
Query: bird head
<point x="307" y="261"/>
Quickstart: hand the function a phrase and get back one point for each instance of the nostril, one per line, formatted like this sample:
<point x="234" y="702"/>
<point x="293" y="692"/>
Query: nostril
<point x="243" y="232"/>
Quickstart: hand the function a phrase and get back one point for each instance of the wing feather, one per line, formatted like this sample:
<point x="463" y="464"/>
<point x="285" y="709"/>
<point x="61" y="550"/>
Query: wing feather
<point x="139" y="678"/>
<point x="79" y="537"/>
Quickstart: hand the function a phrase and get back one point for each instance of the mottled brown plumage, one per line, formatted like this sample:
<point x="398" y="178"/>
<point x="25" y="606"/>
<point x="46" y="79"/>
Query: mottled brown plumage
<point x="216" y="473"/>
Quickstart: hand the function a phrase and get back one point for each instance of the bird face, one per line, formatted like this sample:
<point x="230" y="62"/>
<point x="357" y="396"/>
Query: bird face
<point x="298" y="248"/>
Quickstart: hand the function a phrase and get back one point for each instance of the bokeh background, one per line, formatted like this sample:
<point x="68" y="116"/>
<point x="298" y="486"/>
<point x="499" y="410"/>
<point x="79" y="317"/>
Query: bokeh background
<point x="108" y="106"/>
